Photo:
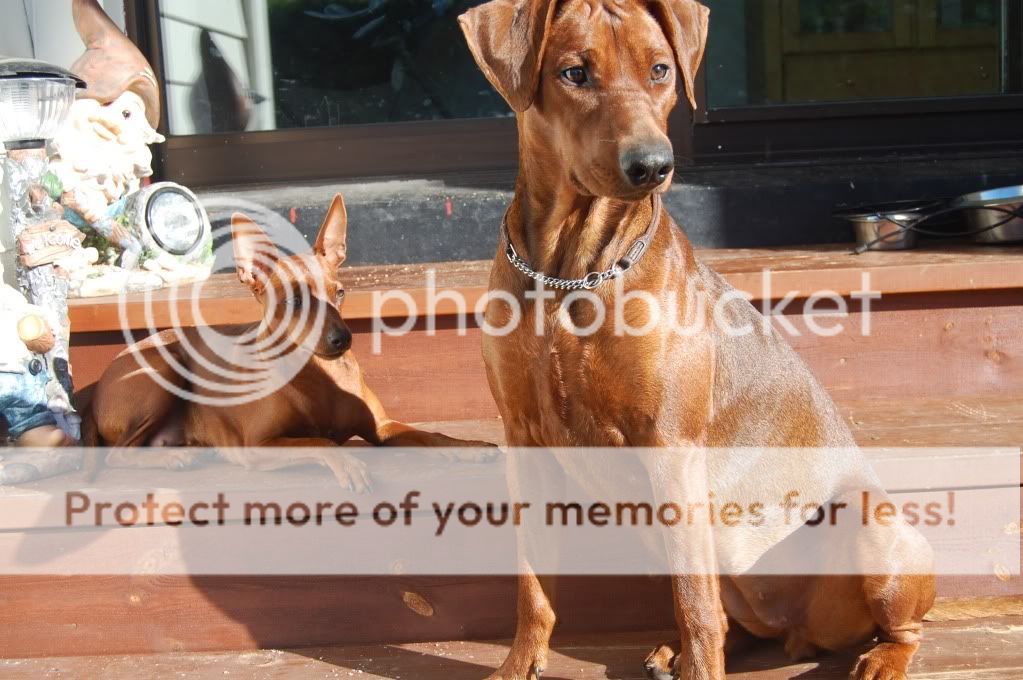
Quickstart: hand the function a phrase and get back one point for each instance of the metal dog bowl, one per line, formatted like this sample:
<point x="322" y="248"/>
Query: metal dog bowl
<point x="886" y="222"/>
<point x="1008" y="198"/>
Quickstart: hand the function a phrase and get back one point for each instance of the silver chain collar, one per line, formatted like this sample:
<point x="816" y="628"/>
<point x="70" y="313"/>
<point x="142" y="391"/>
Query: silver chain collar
<point x="593" y="279"/>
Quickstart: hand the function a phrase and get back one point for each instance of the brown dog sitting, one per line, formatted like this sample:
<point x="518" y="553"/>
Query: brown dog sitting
<point x="321" y="399"/>
<point x="592" y="83"/>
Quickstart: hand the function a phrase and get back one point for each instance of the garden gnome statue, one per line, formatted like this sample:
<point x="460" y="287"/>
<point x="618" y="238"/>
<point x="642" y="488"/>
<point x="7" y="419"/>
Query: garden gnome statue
<point x="100" y="157"/>
<point x="32" y="402"/>
<point x="102" y="153"/>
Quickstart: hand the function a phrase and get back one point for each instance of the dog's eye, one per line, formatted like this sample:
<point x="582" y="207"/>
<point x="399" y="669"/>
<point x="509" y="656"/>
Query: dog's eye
<point x="295" y="302"/>
<point x="575" y="75"/>
<point x="659" y="72"/>
<point x="340" y="297"/>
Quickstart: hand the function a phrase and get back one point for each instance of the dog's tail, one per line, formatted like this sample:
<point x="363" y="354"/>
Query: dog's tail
<point x="90" y="431"/>
<point x="91" y="440"/>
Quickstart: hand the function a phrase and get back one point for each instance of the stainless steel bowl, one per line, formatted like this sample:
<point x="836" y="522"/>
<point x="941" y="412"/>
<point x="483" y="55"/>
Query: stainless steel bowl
<point x="1009" y="198"/>
<point x="886" y="222"/>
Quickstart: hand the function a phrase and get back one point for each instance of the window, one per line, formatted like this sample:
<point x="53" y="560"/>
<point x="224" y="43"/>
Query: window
<point x="275" y="90"/>
<point x="232" y="66"/>
<point x="270" y="90"/>
<point x="803" y="51"/>
<point x="816" y="80"/>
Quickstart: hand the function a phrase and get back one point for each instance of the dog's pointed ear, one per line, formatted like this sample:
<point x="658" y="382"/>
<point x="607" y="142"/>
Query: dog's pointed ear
<point x="255" y="255"/>
<point x="685" y="24"/>
<point x="507" y="39"/>
<point x="332" y="243"/>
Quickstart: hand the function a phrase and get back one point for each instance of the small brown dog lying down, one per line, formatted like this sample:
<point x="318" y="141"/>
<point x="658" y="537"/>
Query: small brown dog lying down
<point x="324" y="404"/>
<point x="592" y="83"/>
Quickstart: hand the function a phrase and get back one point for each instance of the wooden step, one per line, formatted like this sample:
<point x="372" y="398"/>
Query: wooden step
<point x="802" y="271"/>
<point x="941" y="367"/>
<point x="987" y="649"/>
<point x="934" y="346"/>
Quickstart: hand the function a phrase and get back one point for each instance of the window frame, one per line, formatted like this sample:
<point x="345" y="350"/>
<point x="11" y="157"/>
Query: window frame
<point x="803" y="133"/>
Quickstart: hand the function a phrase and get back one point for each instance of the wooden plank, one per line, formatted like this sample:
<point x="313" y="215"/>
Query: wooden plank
<point x="950" y="344"/>
<point x="61" y="616"/>
<point x="812" y="268"/>
<point x="72" y="615"/>
<point x="953" y="345"/>
<point x="988" y="649"/>
<point x="223" y="300"/>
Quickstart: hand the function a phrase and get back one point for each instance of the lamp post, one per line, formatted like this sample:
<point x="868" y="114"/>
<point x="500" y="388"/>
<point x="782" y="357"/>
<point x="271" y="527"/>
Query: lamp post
<point x="35" y="98"/>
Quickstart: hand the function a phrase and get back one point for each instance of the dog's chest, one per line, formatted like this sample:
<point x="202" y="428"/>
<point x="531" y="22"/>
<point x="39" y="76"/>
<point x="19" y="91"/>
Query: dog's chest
<point x="556" y="388"/>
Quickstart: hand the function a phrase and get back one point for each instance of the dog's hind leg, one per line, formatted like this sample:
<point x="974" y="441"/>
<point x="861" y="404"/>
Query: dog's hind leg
<point x="132" y="408"/>
<point x="898" y="604"/>
<point x="383" y="431"/>
<point x="151" y="431"/>
<point x="898" y="600"/>
<point x="282" y="452"/>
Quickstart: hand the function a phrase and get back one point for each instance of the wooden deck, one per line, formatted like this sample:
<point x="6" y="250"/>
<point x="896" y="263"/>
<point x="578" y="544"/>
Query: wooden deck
<point x="941" y="367"/>
<point x="950" y="324"/>
<point x="981" y="649"/>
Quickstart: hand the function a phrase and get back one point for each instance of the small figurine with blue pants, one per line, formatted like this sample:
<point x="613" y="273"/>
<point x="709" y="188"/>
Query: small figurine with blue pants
<point x="34" y="419"/>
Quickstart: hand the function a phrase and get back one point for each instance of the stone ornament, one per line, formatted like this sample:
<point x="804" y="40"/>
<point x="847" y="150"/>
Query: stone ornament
<point x="48" y="242"/>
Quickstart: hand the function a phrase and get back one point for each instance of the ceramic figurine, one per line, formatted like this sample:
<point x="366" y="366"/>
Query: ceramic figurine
<point x="25" y="337"/>
<point x="32" y="401"/>
<point x="98" y="163"/>
<point x="102" y="153"/>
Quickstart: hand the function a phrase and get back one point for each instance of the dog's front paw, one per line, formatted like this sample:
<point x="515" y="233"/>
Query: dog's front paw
<point x="664" y="664"/>
<point x="477" y="452"/>
<point x="179" y="459"/>
<point x="465" y="451"/>
<point x="534" y="673"/>
<point x="351" y="472"/>
<point x="660" y="663"/>
<point x="524" y="662"/>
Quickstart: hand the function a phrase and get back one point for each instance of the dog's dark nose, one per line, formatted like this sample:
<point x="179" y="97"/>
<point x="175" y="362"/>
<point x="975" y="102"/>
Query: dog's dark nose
<point x="648" y="165"/>
<point x="339" y="339"/>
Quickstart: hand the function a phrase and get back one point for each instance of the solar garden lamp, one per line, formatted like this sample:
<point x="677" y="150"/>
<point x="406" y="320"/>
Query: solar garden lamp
<point x="35" y="99"/>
